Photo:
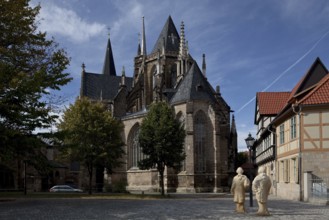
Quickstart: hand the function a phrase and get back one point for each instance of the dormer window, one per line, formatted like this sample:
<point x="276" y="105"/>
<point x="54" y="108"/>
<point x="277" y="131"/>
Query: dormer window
<point x="199" y="87"/>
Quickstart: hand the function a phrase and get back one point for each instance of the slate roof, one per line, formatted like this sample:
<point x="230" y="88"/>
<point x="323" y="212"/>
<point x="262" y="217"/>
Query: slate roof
<point x="271" y="103"/>
<point x="170" y="36"/>
<point x="106" y="86"/>
<point x="194" y="86"/>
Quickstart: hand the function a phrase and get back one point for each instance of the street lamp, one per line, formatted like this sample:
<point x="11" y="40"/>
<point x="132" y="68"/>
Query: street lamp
<point x="250" y="144"/>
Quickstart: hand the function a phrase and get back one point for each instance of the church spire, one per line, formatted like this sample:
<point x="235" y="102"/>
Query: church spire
<point x="83" y="73"/>
<point x="139" y="45"/>
<point x="123" y="77"/>
<point x="143" y="51"/>
<point x="109" y="67"/>
<point x="233" y="126"/>
<point x="204" y="65"/>
<point x="182" y="45"/>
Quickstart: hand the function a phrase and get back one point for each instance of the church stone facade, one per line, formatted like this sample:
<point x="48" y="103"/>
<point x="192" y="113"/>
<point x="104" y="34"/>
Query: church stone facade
<point x="168" y="73"/>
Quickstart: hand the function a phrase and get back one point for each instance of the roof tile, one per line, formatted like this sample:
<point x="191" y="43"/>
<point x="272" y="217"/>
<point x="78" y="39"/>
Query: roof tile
<point x="319" y="95"/>
<point x="270" y="103"/>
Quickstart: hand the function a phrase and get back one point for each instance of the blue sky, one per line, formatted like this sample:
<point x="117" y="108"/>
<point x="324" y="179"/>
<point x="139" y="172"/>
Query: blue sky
<point x="250" y="45"/>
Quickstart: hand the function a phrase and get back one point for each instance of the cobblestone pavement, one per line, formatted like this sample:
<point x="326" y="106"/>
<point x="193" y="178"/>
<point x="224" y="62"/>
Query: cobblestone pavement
<point x="207" y="207"/>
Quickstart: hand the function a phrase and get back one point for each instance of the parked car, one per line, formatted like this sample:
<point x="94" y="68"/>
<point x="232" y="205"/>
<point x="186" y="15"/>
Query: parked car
<point x="64" y="188"/>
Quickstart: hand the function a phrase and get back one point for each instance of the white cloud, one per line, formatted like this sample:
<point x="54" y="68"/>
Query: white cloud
<point x="304" y="13"/>
<point x="67" y="23"/>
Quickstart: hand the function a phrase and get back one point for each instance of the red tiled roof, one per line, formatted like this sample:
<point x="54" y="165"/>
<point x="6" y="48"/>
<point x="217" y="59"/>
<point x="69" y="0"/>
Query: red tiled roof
<point x="271" y="103"/>
<point x="319" y="95"/>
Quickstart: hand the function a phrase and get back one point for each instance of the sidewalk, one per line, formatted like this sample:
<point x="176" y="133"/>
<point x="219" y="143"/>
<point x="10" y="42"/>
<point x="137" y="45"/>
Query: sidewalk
<point x="278" y="208"/>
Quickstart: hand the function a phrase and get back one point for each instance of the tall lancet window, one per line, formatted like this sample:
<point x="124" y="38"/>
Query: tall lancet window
<point x="173" y="76"/>
<point x="154" y="76"/>
<point x="200" y="123"/>
<point x="181" y="119"/>
<point x="134" y="150"/>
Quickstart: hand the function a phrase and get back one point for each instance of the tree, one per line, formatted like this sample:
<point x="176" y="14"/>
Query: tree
<point x="161" y="139"/>
<point x="91" y="136"/>
<point x="30" y="67"/>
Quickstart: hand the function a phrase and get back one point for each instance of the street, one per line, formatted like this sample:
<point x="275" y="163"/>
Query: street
<point x="172" y="208"/>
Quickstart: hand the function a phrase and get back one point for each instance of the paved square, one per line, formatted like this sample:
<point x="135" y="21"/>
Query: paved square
<point x="206" y="207"/>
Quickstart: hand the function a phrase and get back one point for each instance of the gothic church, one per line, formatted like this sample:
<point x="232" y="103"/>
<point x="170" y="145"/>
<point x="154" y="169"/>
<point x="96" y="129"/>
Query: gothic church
<point x="168" y="73"/>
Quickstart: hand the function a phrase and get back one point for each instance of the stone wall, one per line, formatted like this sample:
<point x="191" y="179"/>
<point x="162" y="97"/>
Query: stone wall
<point x="141" y="180"/>
<point x="317" y="162"/>
<point x="288" y="191"/>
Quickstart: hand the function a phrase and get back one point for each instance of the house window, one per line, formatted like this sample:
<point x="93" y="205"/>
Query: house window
<point x="200" y="141"/>
<point x="281" y="170"/>
<point x="294" y="163"/>
<point x="281" y="134"/>
<point x="284" y="171"/>
<point x="293" y="127"/>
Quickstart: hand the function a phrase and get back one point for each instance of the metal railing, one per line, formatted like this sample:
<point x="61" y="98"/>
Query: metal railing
<point x="320" y="189"/>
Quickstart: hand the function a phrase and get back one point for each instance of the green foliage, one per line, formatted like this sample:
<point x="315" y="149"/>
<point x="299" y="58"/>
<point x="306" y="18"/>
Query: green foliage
<point x="91" y="135"/>
<point x="119" y="187"/>
<point x="161" y="139"/>
<point x="30" y="65"/>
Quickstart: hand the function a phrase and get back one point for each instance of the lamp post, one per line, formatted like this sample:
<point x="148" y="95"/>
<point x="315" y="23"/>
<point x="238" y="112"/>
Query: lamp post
<point x="250" y="144"/>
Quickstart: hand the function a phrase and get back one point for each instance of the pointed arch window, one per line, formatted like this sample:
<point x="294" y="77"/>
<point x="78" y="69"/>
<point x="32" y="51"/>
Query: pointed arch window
<point x="135" y="153"/>
<point x="200" y="141"/>
<point x="181" y="119"/>
<point x="173" y="76"/>
<point x="154" y="73"/>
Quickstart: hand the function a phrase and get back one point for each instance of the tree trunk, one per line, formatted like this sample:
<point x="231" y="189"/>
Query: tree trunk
<point x="90" y="171"/>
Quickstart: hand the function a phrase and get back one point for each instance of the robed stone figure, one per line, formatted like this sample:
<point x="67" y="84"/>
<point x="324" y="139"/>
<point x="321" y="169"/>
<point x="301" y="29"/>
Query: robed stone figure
<point x="238" y="189"/>
<point x="261" y="186"/>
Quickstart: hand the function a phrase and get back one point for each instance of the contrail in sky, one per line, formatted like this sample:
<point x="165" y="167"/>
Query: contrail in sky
<point x="284" y="72"/>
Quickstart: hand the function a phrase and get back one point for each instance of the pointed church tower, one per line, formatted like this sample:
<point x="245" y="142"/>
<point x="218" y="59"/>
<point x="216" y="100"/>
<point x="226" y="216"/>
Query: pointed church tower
<point x="83" y="73"/>
<point x="139" y="51"/>
<point x="109" y="67"/>
<point x="123" y="77"/>
<point x="204" y="68"/>
<point x="233" y="151"/>
<point x="168" y="40"/>
<point x="143" y="51"/>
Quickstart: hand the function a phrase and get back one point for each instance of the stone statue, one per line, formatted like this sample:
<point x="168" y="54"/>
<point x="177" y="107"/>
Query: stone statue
<point x="238" y="189"/>
<point x="261" y="186"/>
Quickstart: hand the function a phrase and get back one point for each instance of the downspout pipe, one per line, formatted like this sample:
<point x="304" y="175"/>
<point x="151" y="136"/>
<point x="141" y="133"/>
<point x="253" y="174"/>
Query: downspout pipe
<point x="298" y="112"/>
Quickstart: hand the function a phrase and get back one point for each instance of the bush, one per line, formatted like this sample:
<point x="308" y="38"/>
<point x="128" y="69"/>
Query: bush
<point x="119" y="187"/>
